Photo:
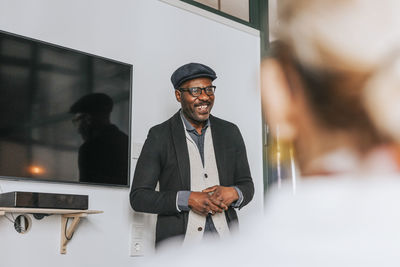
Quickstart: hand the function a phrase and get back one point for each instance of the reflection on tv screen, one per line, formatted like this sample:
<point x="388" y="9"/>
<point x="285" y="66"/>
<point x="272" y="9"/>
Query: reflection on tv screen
<point x="64" y="114"/>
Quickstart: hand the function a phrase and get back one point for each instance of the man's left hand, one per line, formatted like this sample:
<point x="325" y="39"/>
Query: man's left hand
<point x="222" y="196"/>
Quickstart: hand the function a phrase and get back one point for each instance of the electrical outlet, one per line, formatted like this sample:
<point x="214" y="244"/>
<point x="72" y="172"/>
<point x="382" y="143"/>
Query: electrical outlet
<point x="137" y="240"/>
<point x="137" y="249"/>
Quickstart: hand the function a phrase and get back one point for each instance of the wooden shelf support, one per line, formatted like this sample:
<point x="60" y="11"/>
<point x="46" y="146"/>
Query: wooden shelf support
<point x="66" y="231"/>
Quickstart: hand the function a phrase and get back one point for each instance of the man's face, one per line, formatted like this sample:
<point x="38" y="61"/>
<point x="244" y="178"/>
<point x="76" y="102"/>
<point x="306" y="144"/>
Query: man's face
<point x="195" y="109"/>
<point x="82" y="122"/>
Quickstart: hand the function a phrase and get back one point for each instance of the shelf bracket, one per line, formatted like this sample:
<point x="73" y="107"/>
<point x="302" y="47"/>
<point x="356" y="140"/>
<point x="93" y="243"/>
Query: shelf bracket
<point x="67" y="233"/>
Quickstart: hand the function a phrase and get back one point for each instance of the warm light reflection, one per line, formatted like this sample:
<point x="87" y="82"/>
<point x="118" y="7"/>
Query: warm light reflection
<point x="36" y="170"/>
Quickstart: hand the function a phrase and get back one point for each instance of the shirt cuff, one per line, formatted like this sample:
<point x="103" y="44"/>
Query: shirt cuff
<point x="182" y="201"/>
<point x="238" y="202"/>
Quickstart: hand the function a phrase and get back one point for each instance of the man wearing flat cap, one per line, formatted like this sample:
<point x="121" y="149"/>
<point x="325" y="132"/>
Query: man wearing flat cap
<point x="103" y="157"/>
<point x="199" y="161"/>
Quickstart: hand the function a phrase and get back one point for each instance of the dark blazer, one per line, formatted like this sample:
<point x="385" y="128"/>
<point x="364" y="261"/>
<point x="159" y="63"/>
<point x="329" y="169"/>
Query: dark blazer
<point x="165" y="159"/>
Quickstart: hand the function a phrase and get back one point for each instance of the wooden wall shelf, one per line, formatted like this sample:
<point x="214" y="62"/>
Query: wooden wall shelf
<point x="66" y="233"/>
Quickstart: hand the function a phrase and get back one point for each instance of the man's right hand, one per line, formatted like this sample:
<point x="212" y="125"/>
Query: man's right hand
<point x="200" y="203"/>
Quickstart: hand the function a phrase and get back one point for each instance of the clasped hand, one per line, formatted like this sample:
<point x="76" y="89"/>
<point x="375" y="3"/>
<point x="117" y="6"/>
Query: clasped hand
<point x="213" y="199"/>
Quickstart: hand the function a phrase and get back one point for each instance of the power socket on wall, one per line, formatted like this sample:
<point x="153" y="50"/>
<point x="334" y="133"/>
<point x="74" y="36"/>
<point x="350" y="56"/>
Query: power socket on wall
<point x="137" y="245"/>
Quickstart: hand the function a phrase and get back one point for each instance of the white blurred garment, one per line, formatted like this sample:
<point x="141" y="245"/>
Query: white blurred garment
<point x="351" y="219"/>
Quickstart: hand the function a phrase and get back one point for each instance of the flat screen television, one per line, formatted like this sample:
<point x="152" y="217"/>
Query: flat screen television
<point x="64" y="114"/>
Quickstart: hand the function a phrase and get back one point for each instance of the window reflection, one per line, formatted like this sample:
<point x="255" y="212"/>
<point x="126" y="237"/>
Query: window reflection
<point x="38" y="84"/>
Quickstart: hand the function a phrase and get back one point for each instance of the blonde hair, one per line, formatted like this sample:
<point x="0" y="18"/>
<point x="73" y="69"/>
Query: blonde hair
<point x="347" y="53"/>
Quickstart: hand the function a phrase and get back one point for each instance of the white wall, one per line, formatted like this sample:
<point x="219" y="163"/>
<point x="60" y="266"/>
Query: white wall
<point x="155" y="38"/>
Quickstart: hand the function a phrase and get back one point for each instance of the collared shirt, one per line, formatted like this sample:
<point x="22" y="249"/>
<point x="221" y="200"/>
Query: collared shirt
<point x="182" y="197"/>
<point x="197" y="138"/>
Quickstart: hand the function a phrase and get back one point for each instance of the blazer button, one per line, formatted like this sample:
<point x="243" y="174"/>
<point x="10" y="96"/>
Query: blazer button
<point x="200" y="229"/>
<point x="206" y="175"/>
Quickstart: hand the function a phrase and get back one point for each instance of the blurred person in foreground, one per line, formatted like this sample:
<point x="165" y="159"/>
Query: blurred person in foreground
<point x="332" y="84"/>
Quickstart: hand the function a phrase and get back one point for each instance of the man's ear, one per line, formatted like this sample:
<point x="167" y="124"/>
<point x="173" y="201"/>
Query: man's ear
<point x="277" y="100"/>
<point x="178" y="95"/>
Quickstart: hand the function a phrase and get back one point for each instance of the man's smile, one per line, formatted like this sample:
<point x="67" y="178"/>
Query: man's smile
<point x="202" y="108"/>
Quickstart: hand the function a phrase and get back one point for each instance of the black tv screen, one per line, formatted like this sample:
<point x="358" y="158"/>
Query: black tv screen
<point x="64" y="114"/>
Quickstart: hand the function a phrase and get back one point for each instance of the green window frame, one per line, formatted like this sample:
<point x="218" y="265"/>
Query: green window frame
<point x="255" y="8"/>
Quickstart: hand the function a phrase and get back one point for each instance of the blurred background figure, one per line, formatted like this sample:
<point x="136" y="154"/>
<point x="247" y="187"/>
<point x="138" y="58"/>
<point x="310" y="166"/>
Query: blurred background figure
<point x="103" y="157"/>
<point x="331" y="86"/>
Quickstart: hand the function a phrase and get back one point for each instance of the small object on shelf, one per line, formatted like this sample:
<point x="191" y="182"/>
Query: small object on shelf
<point x="44" y="200"/>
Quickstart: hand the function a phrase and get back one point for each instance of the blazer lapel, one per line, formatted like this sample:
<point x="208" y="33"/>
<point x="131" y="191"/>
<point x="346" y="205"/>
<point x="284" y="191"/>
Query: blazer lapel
<point x="181" y="150"/>
<point x="218" y="142"/>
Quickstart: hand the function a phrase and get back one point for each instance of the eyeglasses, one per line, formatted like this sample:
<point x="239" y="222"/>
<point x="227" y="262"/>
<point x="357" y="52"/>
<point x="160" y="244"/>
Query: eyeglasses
<point x="196" y="91"/>
<point x="78" y="118"/>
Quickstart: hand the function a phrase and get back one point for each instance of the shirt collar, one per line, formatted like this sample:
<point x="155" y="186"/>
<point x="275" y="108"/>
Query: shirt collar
<point x="189" y="127"/>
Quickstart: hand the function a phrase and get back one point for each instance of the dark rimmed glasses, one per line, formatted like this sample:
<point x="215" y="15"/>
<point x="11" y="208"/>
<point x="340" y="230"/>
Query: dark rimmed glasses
<point x="78" y="118"/>
<point x="196" y="91"/>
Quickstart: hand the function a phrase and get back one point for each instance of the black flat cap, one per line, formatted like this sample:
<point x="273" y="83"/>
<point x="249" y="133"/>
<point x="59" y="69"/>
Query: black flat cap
<point x="93" y="103"/>
<point x="191" y="71"/>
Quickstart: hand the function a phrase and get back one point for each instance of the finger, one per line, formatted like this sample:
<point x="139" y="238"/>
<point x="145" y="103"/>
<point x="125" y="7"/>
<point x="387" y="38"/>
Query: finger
<point x="218" y="203"/>
<point x="205" y="210"/>
<point x="216" y="198"/>
<point x="207" y="207"/>
<point x="214" y="208"/>
<point x="223" y="205"/>
<point x="213" y="199"/>
<point x="210" y="189"/>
